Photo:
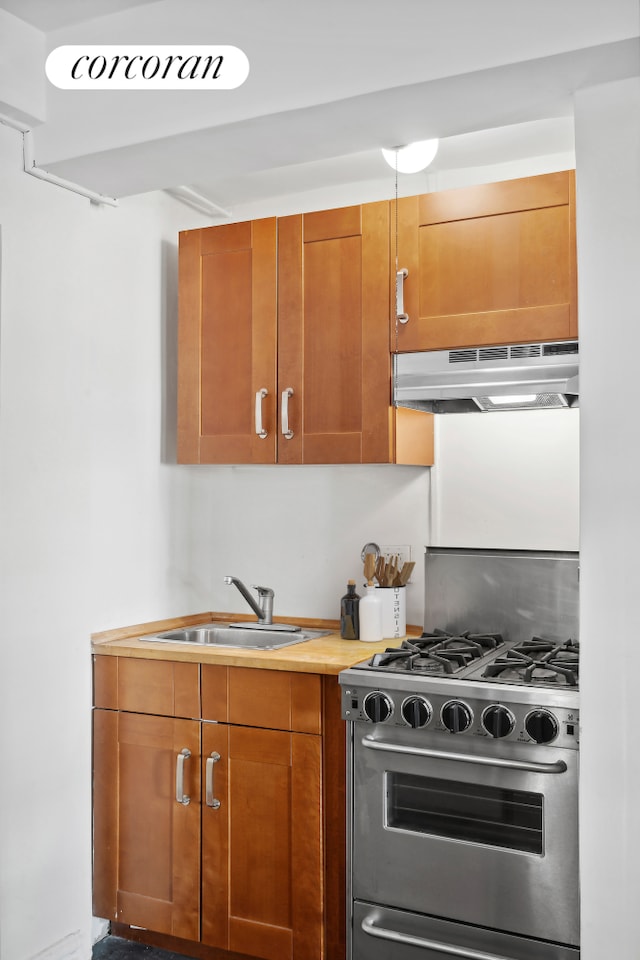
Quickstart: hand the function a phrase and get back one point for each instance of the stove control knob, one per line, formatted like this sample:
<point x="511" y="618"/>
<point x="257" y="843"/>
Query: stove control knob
<point x="541" y="726"/>
<point x="498" y="721"/>
<point x="416" y="711"/>
<point x="456" y="716"/>
<point x="377" y="707"/>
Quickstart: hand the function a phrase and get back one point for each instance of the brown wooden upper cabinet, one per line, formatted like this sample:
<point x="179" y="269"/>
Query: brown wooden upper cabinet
<point x="227" y="344"/>
<point x="488" y="264"/>
<point x="284" y="353"/>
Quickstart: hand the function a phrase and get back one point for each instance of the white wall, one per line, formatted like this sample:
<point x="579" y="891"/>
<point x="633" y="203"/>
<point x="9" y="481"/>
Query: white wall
<point x="508" y="480"/>
<point x="608" y="204"/>
<point x="300" y="530"/>
<point x="44" y="611"/>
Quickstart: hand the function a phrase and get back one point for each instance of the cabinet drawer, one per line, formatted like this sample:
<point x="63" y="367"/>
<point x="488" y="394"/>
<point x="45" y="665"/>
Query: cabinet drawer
<point x="274" y="699"/>
<point x="159" y="687"/>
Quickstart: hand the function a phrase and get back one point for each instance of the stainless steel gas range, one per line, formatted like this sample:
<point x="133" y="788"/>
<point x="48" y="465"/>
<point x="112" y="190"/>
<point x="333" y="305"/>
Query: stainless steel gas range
<point x="463" y="768"/>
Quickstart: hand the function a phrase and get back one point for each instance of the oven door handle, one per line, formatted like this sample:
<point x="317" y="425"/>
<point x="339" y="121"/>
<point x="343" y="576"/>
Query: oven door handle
<point x="449" y="949"/>
<point x="559" y="766"/>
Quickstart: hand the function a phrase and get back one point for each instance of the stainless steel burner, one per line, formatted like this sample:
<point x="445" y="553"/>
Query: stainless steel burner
<point x="537" y="661"/>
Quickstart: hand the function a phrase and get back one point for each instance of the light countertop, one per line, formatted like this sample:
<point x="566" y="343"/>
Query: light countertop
<point x="324" y="655"/>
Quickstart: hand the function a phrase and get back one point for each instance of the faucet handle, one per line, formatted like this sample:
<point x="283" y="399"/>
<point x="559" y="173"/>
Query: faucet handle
<point x="263" y="591"/>
<point x="266" y="596"/>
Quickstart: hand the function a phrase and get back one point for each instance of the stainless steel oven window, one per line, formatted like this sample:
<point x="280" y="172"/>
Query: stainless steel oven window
<point x="469" y="812"/>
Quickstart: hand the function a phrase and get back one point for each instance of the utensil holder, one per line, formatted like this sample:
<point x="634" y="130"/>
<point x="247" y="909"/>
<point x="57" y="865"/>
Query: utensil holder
<point x="394" y="611"/>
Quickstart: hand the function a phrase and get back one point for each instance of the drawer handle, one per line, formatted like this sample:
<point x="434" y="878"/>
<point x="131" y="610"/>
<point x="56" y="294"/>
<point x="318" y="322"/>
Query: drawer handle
<point x="260" y="430"/>
<point x="410" y="941"/>
<point x="210" y="800"/>
<point x="181" y="796"/>
<point x="287" y="433"/>
<point x="401" y="316"/>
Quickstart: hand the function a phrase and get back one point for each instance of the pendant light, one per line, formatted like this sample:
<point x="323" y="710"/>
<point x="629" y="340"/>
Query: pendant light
<point x="412" y="158"/>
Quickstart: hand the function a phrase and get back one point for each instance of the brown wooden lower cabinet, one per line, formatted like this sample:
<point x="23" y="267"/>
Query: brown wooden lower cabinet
<point x="146" y="845"/>
<point x="222" y="840"/>
<point x="261" y="847"/>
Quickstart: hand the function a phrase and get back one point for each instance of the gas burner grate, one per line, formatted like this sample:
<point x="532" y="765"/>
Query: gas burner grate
<point x="437" y="653"/>
<point x="488" y="641"/>
<point x="538" y="661"/>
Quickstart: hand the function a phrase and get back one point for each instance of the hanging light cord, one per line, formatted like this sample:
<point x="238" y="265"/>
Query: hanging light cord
<point x="395" y="287"/>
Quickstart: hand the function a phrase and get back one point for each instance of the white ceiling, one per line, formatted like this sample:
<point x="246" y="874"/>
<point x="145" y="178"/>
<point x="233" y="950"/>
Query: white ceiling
<point x="329" y="83"/>
<point x="50" y="15"/>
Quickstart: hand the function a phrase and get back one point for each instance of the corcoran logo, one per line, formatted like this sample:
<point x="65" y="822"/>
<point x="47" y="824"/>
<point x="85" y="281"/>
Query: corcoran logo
<point x="129" y="67"/>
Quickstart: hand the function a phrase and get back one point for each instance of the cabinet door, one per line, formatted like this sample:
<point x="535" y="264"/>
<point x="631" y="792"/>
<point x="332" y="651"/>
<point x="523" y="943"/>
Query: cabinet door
<point x="261" y="854"/>
<point x="333" y="335"/>
<point x="489" y="264"/>
<point x="227" y="343"/>
<point x="146" y="843"/>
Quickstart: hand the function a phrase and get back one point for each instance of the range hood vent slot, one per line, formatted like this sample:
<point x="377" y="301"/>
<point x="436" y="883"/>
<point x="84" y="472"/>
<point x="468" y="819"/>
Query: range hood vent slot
<point x="526" y="350"/>
<point x="493" y="353"/>
<point x="463" y="356"/>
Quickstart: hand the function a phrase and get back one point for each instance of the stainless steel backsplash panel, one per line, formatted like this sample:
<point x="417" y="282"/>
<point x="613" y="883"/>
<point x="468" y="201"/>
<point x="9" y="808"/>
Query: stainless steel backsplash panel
<point x="518" y="593"/>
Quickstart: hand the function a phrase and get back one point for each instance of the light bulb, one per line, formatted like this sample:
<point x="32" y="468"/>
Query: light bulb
<point x="524" y="398"/>
<point x="412" y="158"/>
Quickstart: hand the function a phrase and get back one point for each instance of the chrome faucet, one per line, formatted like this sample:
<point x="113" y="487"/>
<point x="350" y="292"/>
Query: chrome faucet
<point x="264" y="609"/>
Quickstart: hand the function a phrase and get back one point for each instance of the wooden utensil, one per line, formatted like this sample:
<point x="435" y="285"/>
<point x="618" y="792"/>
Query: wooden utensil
<point x="391" y="571"/>
<point x="405" y="573"/>
<point x="369" y="566"/>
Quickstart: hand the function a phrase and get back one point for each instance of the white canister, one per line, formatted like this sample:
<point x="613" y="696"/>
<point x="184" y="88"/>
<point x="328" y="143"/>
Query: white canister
<point x="370" y="611"/>
<point x="394" y="612"/>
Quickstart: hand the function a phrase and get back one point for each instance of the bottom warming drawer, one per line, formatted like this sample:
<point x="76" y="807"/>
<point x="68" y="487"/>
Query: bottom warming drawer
<point x="380" y="933"/>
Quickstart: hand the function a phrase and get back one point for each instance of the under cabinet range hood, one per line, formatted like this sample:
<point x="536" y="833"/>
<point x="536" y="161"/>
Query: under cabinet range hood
<point x="523" y="376"/>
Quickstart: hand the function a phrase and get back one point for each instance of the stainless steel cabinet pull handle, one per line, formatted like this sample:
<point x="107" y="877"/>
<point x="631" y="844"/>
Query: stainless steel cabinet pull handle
<point x="210" y="800"/>
<point x="181" y="796"/>
<point x="401" y="316"/>
<point x="451" y="951"/>
<point x="287" y="433"/>
<point x="260" y="430"/>
<point x="558" y="767"/>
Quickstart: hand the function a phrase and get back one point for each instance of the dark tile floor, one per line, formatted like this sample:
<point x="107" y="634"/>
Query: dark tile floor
<point x="115" y="948"/>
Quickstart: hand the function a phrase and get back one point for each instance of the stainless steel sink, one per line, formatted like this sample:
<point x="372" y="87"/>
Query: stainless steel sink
<point x="247" y="638"/>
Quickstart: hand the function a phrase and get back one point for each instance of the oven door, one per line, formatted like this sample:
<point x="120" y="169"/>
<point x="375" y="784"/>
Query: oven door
<point x="470" y="829"/>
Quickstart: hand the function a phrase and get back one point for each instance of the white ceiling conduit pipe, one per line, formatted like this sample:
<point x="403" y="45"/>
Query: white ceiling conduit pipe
<point x="35" y="171"/>
<point x="198" y="201"/>
<point x="183" y="193"/>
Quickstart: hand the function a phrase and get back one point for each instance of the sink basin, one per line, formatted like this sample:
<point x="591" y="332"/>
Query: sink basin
<point x="247" y="638"/>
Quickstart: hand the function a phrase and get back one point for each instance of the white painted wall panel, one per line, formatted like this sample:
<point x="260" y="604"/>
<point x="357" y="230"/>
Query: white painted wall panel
<point x="608" y="198"/>
<point x="301" y="529"/>
<point x="87" y="510"/>
<point x="507" y="480"/>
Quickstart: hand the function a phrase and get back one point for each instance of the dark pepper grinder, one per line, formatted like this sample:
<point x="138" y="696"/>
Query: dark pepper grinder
<point x="349" y="613"/>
